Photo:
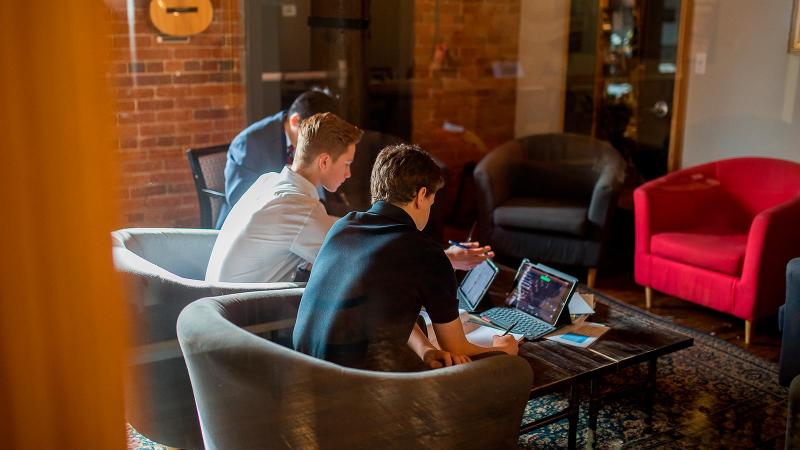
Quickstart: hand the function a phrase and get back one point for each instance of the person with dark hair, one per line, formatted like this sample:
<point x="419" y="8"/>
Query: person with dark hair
<point x="376" y="270"/>
<point x="279" y="223"/>
<point x="267" y="146"/>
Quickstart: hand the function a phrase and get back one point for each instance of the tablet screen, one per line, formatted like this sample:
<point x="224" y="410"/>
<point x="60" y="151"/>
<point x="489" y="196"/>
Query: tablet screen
<point x="476" y="282"/>
<point x="541" y="293"/>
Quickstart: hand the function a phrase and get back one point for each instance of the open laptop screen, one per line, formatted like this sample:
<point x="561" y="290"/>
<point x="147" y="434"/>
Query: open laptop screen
<point x="541" y="293"/>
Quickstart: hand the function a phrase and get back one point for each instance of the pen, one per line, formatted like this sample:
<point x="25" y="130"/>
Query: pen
<point x="460" y="245"/>
<point x="510" y="328"/>
<point x="457" y="244"/>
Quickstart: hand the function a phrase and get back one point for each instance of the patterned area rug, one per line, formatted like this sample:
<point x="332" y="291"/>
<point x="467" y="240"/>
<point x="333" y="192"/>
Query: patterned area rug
<point x="713" y="395"/>
<point x="710" y="396"/>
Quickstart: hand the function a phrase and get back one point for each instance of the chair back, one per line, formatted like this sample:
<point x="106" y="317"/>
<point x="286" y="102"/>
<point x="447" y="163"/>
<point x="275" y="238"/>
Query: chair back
<point x="255" y="394"/>
<point x="757" y="184"/>
<point x="565" y="165"/>
<point x="163" y="270"/>
<point x="208" y="171"/>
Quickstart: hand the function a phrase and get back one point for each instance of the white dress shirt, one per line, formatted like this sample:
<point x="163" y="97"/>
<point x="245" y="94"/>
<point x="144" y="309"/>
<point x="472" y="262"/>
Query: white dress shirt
<point x="277" y="225"/>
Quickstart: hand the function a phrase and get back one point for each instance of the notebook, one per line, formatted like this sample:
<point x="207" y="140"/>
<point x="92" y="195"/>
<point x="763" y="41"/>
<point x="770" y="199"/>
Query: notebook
<point x="539" y="296"/>
<point x="475" y="284"/>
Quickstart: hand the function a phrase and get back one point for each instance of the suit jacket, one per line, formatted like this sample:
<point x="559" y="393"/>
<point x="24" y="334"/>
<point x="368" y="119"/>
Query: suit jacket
<point x="258" y="149"/>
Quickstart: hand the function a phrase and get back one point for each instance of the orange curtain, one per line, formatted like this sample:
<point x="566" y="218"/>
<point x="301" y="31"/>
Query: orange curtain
<point x="61" y="320"/>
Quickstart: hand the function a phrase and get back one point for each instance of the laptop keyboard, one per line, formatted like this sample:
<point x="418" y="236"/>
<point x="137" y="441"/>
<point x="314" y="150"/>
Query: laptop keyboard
<point x="531" y="327"/>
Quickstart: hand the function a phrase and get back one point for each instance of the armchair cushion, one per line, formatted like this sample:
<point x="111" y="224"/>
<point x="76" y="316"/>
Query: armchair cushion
<point x="721" y="253"/>
<point x="543" y="215"/>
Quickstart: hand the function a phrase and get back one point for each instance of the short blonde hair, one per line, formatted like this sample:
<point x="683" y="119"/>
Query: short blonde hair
<point x="324" y="133"/>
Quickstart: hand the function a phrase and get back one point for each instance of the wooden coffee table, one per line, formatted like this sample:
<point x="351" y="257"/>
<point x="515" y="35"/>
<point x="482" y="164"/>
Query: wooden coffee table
<point x="559" y="367"/>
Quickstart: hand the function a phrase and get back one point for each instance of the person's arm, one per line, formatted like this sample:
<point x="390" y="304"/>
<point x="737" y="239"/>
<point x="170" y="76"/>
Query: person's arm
<point x="430" y="355"/>
<point x="451" y="338"/>
<point x="467" y="258"/>
<point x="312" y="230"/>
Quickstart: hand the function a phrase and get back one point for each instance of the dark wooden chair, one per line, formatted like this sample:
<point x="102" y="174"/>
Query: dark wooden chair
<point x="208" y="171"/>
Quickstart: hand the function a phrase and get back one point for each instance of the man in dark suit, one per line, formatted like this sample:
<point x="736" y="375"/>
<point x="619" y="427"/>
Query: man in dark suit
<point x="267" y="146"/>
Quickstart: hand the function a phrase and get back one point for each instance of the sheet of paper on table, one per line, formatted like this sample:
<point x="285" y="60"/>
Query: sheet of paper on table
<point x="579" y="305"/>
<point x="476" y="333"/>
<point x="578" y="335"/>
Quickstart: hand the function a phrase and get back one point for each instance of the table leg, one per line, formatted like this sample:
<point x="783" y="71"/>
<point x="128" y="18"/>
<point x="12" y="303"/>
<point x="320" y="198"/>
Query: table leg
<point x="572" y="432"/>
<point x="594" y="410"/>
<point x="650" y="393"/>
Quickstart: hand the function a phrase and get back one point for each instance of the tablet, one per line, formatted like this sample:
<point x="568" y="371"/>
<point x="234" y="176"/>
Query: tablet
<point x="475" y="284"/>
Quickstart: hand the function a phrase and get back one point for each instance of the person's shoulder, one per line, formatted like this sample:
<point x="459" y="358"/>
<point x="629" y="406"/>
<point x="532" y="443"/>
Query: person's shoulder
<point x="264" y="125"/>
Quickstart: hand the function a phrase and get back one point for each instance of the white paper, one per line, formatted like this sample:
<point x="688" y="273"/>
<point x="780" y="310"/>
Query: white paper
<point x="482" y="335"/>
<point x="578" y="305"/>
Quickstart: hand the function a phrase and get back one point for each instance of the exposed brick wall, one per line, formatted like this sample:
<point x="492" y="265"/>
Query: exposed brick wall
<point x="465" y="92"/>
<point x="169" y="97"/>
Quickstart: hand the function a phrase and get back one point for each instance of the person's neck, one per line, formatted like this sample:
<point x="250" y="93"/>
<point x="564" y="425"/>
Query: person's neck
<point x="308" y="173"/>
<point x="287" y="129"/>
<point x="411" y="211"/>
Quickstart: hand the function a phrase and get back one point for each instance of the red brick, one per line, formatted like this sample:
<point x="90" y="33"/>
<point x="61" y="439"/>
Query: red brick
<point x="146" y="80"/>
<point x="172" y="92"/>
<point x="133" y="92"/>
<point x="148" y="105"/>
<point x="179" y="115"/>
<point x="127" y="118"/>
<point x="157" y="66"/>
<point x="147" y="191"/>
<point x="156" y="129"/>
<point x="173" y="66"/>
<point x="190" y="78"/>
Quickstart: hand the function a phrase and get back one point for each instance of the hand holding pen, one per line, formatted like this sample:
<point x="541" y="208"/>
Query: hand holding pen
<point x="466" y="255"/>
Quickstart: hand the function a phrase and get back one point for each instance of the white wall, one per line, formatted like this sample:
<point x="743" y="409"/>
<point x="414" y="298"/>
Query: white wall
<point x="746" y="102"/>
<point x="543" y="33"/>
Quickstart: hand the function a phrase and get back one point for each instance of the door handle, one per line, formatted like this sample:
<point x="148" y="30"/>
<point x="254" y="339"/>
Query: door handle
<point x="660" y="109"/>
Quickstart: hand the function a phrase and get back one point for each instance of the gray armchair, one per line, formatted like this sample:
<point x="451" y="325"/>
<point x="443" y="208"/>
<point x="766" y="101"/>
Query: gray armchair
<point x="255" y="394"/>
<point x="549" y="197"/>
<point x="789" y="374"/>
<point x="163" y="270"/>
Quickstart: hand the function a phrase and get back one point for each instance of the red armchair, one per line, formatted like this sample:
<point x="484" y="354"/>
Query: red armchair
<point x="720" y="235"/>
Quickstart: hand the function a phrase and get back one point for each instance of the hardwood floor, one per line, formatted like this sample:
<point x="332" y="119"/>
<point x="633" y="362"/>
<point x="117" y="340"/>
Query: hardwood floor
<point x="766" y="340"/>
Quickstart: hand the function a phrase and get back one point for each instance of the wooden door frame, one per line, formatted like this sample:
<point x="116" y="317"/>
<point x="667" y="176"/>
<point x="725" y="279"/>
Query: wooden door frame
<point x="681" y="87"/>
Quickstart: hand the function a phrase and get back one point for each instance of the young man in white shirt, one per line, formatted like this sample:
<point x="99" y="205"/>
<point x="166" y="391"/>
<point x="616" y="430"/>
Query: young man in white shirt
<point x="280" y="224"/>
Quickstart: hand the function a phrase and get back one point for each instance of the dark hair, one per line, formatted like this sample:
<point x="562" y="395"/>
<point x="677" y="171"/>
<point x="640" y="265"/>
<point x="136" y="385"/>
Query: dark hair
<point x="400" y="171"/>
<point x="313" y="102"/>
<point x="324" y="133"/>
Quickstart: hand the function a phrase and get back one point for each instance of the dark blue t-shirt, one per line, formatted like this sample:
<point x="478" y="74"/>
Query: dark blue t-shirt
<point x="374" y="272"/>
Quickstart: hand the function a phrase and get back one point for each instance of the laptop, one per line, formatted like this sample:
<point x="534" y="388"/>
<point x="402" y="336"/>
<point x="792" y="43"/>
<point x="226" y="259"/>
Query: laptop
<point x="539" y="296"/>
<point x="475" y="284"/>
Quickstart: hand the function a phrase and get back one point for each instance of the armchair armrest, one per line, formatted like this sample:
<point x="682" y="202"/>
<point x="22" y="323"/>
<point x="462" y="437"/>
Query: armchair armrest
<point x="494" y="178"/>
<point x="771" y="243"/>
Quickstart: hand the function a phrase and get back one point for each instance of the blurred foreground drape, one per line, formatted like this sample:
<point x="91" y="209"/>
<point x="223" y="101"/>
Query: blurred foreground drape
<point x="61" y="321"/>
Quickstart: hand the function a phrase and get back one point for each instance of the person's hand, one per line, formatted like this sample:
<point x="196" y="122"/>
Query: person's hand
<point x="507" y="343"/>
<point x="467" y="258"/>
<point x="436" y="359"/>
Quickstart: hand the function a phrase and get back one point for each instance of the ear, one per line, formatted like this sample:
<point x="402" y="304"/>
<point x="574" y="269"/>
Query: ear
<point x="324" y="161"/>
<point x="294" y="121"/>
<point x="423" y="191"/>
